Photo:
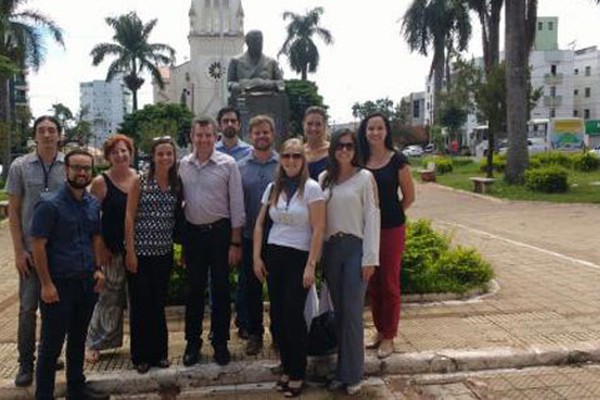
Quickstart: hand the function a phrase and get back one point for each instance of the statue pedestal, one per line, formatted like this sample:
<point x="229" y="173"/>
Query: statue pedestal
<point x="273" y="104"/>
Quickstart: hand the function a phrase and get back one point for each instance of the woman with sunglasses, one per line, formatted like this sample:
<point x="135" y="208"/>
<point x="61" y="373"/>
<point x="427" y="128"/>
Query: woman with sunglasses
<point x="149" y="225"/>
<point x="296" y="206"/>
<point x="392" y="172"/>
<point x="350" y="252"/>
<point x="316" y="147"/>
<point x="111" y="188"/>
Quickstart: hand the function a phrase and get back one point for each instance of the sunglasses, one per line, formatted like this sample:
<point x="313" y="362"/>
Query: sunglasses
<point x="293" y="156"/>
<point x="159" y="138"/>
<point x="349" y="146"/>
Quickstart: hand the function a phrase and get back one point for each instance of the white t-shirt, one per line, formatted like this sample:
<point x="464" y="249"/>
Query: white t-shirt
<point x="291" y="223"/>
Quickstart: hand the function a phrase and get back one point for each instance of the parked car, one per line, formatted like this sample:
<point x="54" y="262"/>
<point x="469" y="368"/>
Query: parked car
<point x="429" y="148"/>
<point x="534" y="146"/>
<point x="413" y="151"/>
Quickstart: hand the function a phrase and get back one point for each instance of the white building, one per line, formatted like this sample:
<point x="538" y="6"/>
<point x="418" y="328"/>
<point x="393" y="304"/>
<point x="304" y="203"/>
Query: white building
<point x="216" y="35"/>
<point x="106" y="104"/>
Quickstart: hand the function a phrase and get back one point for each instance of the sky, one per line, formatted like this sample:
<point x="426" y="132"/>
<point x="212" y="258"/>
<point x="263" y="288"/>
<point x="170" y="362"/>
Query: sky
<point x="368" y="59"/>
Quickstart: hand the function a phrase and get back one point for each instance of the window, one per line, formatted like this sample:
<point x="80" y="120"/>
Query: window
<point x="586" y="113"/>
<point x="552" y="91"/>
<point x="550" y="25"/>
<point x="540" y="26"/>
<point x="575" y="92"/>
<point x="576" y="72"/>
<point x="575" y="113"/>
<point x="588" y="70"/>
<point x="588" y="92"/>
<point x="553" y="69"/>
<point x="552" y="113"/>
<point x="416" y="109"/>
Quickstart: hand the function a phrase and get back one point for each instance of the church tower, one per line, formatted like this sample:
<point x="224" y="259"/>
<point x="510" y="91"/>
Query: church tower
<point x="216" y="35"/>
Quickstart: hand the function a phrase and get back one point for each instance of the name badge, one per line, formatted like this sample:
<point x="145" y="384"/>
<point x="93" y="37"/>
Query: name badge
<point x="286" y="218"/>
<point x="45" y="195"/>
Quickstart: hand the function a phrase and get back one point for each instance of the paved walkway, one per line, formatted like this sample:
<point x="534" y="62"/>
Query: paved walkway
<point x="546" y="311"/>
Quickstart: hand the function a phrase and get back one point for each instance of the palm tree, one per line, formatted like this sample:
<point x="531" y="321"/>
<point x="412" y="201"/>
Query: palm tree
<point x="442" y="24"/>
<point x="299" y="46"/>
<point x="520" y="33"/>
<point x="133" y="52"/>
<point x="22" y="34"/>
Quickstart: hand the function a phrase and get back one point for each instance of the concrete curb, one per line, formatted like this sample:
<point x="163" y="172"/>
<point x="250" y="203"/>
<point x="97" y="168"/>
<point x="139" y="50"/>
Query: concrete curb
<point x="179" y="378"/>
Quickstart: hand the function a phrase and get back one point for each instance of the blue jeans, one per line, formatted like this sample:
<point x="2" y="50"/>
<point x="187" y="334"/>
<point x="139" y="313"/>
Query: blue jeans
<point x="69" y="316"/>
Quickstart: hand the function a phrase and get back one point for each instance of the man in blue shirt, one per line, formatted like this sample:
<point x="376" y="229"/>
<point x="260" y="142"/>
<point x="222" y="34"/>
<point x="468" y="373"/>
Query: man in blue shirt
<point x="230" y="126"/>
<point x="258" y="170"/>
<point x="65" y="234"/>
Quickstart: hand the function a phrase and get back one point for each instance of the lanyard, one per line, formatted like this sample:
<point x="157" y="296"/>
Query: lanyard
<point x="46" y="172"/>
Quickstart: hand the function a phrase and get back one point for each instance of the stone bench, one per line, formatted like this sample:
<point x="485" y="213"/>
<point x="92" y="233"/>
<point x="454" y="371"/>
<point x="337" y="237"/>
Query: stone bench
<point x="428" y="174"/>
<point x="481" y="185"/>
<point x="4" y="209"/>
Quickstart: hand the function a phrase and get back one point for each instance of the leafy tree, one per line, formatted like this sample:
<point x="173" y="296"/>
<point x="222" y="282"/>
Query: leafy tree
<point x="397" y="114"/>
<point x="442" y="24"/>
<point x="134" y="54"/>
<point x="520" y="33"/>
<point x="22" y="44"/>
<point x="75" y="126"/>
<point x="301" y="95"/>
<point x="156" y="120"/>
<point x="299" y="47"/>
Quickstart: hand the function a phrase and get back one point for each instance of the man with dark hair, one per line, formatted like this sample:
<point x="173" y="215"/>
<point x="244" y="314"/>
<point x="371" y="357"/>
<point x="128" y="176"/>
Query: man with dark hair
<point x="65" y="241"/>
<point x="230" y="127"/>
<point x="31" y="177"/>
<point x="214" y="216"/>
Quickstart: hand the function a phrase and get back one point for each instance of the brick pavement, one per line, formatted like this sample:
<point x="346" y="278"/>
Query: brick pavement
<point x="545" y="256"/>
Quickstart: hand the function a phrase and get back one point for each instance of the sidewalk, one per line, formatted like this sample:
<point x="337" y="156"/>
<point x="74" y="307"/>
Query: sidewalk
<point x="546" y="311"/>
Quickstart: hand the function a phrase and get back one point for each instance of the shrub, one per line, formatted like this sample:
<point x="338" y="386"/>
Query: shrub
<point x="552" y="158"/>
<point x="586" y="162"/>
<point x="177" y="281"/>
<point x="552" y="179"/>
<point x="442" y="164"/>
<point x="461" y="161"/>
<point x="430" y="265"/>
<point x="498" y="163"/>
<point x="534" y="163"/>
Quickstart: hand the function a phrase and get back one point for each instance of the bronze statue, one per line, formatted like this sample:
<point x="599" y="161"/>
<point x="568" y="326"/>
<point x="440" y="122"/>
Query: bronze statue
<point x="252" y="71"/>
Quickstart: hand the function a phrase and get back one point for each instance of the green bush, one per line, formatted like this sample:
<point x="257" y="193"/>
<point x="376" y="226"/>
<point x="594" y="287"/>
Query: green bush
<point x="443" y="165"/>
<point x="553" y="158"/>
<point x="586" y="162"/>
<point x="534" y="163"/>
<point x="461" y="161"/>
<point x="498" y="163"/>
<point x="430" y="265"/>
<point x="552" y="179"/>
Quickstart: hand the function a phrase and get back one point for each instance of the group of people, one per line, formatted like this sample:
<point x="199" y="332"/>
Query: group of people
<point x="278" y="215"/>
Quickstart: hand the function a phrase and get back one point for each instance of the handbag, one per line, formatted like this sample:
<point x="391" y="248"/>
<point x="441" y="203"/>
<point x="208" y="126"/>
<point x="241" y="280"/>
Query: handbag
<point x="322" y="339"/>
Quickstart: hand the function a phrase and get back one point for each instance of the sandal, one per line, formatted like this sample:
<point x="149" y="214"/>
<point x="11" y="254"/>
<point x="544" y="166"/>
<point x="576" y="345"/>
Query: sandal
<point x="92" y="356"/>
<point x="282" y="384"/>
<point x="291" y="391"/>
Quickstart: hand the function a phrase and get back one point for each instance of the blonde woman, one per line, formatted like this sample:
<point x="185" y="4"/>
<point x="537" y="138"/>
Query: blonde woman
<point x="296" y="206"/>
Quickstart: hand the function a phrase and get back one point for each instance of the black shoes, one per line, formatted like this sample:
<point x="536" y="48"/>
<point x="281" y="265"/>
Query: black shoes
<point x="87" y="392"/>
<point x="243" y="334"/>
<point x="142" y="368"/>
<point x="254" y="345"/>
<point x="222" y="355"/>
<point x="24" y="377"/>
<point x="192" y="353"/>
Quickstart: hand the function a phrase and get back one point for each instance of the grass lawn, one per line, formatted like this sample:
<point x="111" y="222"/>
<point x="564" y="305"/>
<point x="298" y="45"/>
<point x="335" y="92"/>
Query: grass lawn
<point x="584" y="186"/>
<point x="3" y="195"/>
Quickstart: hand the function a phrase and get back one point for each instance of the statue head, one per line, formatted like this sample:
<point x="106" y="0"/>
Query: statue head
<point x="254" y="41"/>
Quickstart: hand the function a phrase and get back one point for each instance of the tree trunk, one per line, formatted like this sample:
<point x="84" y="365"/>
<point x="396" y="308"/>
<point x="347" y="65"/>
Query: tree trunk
<point x="5" y="125"/>
<point x="516" y="87"/>
<point x="135" y="99"/>
<point x="438" y="79"/>
<point x="304" y="74"/>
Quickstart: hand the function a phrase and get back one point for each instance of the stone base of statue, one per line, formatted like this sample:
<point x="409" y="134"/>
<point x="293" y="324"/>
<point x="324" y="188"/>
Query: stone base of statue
<point x="273" y="104"/>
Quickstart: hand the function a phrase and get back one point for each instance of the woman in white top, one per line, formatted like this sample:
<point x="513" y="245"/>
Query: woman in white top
<point x="296" y="206"/>
<point x="351" y="251"/>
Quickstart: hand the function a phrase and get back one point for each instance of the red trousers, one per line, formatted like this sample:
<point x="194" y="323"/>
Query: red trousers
<point x="384" y="285"/>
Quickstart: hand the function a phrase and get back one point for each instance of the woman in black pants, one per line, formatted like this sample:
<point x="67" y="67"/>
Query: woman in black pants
<point x="149" y="225"/>
<point x="296" y="206"/>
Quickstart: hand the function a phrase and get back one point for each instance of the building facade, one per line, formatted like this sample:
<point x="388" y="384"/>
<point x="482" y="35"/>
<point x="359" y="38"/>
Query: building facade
<point x="105" y="105"/>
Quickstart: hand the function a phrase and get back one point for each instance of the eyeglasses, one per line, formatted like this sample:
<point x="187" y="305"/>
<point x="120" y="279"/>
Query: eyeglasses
<point x="85" y="168"/>
<point x="293" y="156"/>
<point x="156" y="139"/>
<point x="349" y="146"/>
